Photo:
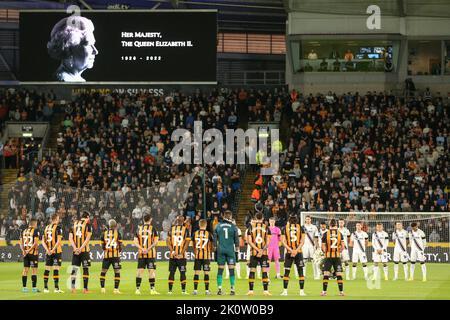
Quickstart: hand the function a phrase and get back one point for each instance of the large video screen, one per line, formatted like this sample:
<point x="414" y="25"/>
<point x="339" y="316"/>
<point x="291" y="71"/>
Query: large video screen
<point x="118" y="46"/>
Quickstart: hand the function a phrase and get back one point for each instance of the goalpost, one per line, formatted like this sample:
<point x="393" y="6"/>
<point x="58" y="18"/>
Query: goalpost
<point x="435" y="225"/>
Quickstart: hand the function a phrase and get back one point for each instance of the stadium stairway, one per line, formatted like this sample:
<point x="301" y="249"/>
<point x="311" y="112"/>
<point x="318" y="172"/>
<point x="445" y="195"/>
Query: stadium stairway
<point x="55" y="126"/>
<point x="245" y="202"/>
<point x="8" y="178"/>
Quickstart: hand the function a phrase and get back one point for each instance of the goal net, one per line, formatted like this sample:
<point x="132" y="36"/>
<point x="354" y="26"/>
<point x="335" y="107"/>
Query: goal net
<point x="435" y="225"/>
<point x="35" y="196"/>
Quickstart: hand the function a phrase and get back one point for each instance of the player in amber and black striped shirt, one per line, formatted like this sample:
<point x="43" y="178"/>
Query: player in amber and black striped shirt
<point x="146" y="239"/>
<point x="51" y="241"/>
<point x="202" y="248"/>
<point x="293" y="239"/>
<point x="178" y="241"/>
<point x="332" y="246"/>
<point x="258" y="236"/>
<point x="112" y="247"/>
<point x="79" y="237"/>
<point x="29" y="243"/>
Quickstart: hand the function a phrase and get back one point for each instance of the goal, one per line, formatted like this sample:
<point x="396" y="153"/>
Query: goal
<point x="435" y="225"/>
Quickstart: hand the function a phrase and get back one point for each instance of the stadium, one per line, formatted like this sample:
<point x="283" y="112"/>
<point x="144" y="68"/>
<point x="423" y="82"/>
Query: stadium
<point x="225" y="150"/>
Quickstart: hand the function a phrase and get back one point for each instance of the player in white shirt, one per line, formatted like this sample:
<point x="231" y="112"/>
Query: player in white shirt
<point x="310" y="245"/>
<point x="418" y="242"/>
<point x="359" y="241"/>
<point x="380" y="241"/>
<point x="345" y="256"/>
<point x="400" y="238"/>
<point x="237" y="268"/>
<point x="322" y="230"/>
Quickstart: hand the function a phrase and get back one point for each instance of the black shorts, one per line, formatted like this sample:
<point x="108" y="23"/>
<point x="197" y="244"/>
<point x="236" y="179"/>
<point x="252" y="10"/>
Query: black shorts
<point x="30" y="261"/>
<point x="83" y="259"/>
<point x="297" y="260"/>
<point x="261" y="261"/>
<point x="175" y="264"/>
<point x="53" y="260"/>
<point x="334" y="263"/>
<point x="200" y="264"/>
<point x="146" y="263"/>
<point x="114" y="262"/>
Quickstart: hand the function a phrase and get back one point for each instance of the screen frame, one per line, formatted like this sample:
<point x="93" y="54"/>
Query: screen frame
<point x="88" y="83"/>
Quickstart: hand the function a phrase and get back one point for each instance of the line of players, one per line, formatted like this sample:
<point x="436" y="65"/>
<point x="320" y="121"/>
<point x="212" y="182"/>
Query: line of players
<point x="359" y="242"/>
<point x="299" y="242"/>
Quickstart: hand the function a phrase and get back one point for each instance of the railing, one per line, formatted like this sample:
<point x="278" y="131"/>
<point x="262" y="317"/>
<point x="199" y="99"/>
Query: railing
<point x="252" y="78"/>
<point x="9" y="15"/>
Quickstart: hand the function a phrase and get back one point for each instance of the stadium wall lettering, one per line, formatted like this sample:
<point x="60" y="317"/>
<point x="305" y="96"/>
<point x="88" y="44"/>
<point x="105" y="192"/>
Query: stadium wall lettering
<point x="438" y="252"/>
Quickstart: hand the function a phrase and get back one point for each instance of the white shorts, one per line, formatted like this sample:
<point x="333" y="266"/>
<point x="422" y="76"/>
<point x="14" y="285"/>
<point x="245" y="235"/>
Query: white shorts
<point x="417" y="255"/>
<point x="400" y="256"/>
<point x="308" y="251"/>
<point x="345" y="256"/>
<point x="380" y="257"/>
<point x="359" y="256"/>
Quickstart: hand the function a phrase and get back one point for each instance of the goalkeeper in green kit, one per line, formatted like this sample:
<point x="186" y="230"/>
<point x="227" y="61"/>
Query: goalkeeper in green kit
<point x="226" y="242"/>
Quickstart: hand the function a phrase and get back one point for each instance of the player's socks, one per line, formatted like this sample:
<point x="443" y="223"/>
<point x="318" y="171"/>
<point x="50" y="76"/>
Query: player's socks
<point x="152" y="283"/>
<point x="238" y="270"/>
<point x="277" y="267"/>
<point x="206" y="279"/>
<point x="85" y="278"/>
<point x="424" y="271"/>
<point x="232" y="278"/>
<point x="183" y="281"/>
<point x="386" y="272"/>
<point x="73" y="277"/>
<point x="340" y="283"/>
<point x="265" y="281"/>
<point x="286" y="278"/>
<point x="116" y="280"/>
<point x="138" y="282"/>
<point x="258" y="272"/>
<point x="196" y="280"/>
<point x="301" y="281"/>
<point x="405" y="270"/>
<point x="46" y="275"/>
<point x="24" y="281"/>
<point x="347" y="271"/>
<point x="219" y="277"/>
<point x="325" y="283"/>
<point x="304" y="270"/>
<point x="34" y="280"/>
<point x="102" y="279"/>
<point x="354" y="272"/>
<point x="56" y="278"/>
<point x="317" y="271"/>
<point x="395" y="270"/>
<point x="411" y="270"/>
<point x="171" y="280"/>
<point x="251" y="280"/>
<point x="375" y="272"/>
<point x="365" y="271"/>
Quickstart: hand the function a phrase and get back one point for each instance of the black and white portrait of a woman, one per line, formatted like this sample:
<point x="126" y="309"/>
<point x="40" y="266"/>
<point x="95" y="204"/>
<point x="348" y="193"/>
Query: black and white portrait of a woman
<point x="72" y="42"/>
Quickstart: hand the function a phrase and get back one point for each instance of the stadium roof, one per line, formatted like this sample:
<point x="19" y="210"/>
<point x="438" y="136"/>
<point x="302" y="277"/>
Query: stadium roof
<point x="427" y="8"/>
<point x="234" y="15"/>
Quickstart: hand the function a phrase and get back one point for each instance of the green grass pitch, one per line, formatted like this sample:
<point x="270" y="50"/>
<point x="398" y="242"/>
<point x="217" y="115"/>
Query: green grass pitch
<point x="437" y="286"/>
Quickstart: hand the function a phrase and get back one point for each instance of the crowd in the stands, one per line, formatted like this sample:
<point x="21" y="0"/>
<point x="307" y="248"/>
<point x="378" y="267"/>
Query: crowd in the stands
<point x="372" y="152"/>
<point x="117" y="146"/>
